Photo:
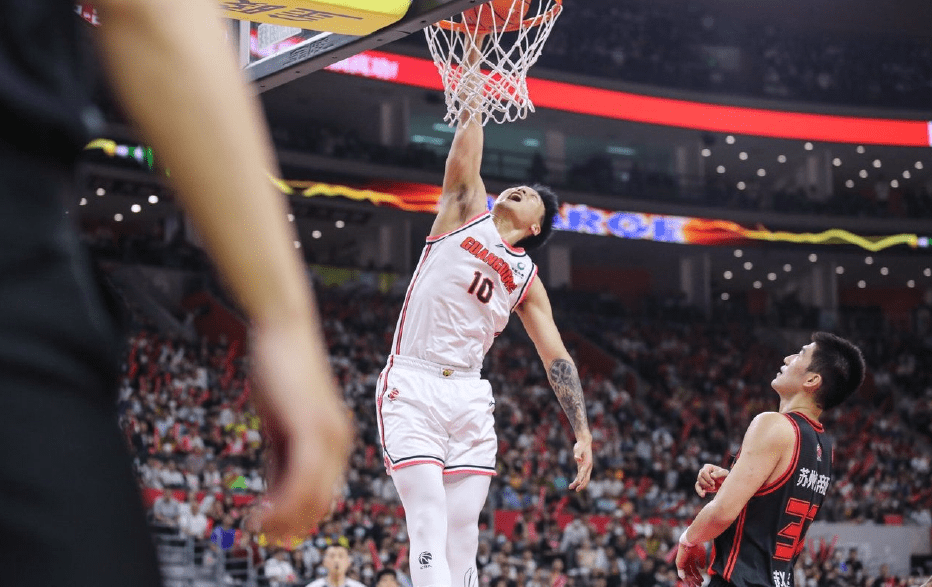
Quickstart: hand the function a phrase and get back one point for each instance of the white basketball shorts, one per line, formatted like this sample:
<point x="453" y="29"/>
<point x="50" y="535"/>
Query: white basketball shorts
<point x="431" y="414"/>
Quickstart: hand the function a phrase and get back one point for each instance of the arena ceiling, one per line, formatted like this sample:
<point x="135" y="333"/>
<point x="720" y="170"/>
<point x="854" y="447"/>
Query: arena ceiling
<point x="355" y="103"/>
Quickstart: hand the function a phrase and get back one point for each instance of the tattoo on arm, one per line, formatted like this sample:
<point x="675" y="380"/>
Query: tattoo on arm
<point x="565" y="381"/>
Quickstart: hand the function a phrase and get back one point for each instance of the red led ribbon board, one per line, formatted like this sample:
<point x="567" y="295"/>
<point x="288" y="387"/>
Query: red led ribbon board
<point x="591" y="101"/>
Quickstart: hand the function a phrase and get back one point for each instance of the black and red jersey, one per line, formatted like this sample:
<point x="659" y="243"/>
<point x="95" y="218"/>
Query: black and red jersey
<point x="761" y="546"/>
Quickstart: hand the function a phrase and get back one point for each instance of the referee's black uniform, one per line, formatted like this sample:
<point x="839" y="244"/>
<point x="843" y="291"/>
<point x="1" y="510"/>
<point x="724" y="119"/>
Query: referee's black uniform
<point x="70" y="511"/>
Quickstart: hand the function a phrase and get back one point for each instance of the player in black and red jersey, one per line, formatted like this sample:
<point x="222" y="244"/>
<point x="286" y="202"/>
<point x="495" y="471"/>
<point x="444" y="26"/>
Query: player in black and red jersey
<point x="766" y="502"/>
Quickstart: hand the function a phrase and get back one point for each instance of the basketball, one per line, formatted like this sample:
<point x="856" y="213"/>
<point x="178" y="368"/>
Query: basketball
<point x="497" y="15"/>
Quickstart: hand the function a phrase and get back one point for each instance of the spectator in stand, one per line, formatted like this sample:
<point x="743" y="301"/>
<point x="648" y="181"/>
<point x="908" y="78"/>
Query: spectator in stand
<point x="151" y="473"/>
<point x="386" y="578"/>
<point x="192" y="522"/>
<point x="279" y="570"/>
<point x="211" y="479"/>
<point x="337" y="563"/>
<point x="172" y="478"/>
<point x="223" y="536"/>
<point x="195" y="462"/>
<point x="166" y="509"/>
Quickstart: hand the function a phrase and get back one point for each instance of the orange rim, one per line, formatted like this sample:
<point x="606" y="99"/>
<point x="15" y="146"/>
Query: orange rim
<point x="550" y="14"/>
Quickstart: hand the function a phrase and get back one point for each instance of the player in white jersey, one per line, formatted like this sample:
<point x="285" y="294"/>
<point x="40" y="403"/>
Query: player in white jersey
<point x="434" y="411"/>
<point x="337" y="562"/>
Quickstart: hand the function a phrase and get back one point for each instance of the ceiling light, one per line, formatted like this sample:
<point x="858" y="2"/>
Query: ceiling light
<point x="813" y="257"/>
<point x="101" y="191"/>
<point x="728" y="275"/>
<point x="860" y="149"/>
<point x="720" y="169"/>
<point x="884" y="271"/>
<point x="743" y="156"/>
<point x="781" y="158"/>
<point x="787" y="268"/>
<point x="906" y="174"/>
<point x="290" y="217"/>
<point x="772" y="276"/>
<point x="706" y="152"/>
<point x="730" y="140"/>
<point x="725" y="296"/>
<point x="83" y="202"/>
<point x="758" y="285"/>
<point x="836" y="162"/>
<point x="862" y="284"/>
<point x="118" y="217"/>
<point x="316" y="234"/>
<point x="153" y="199"/>
<point x="868" y="260"/>
<point x="808" y="146"/>
<point x="839" y="270"/>
<point x="748" y="265"/>
<point x="339" y="224"/>
<point x="849" y="184"/>
<point x="738" y="253"/>
<point x="136" y="208"/>
<point x="761" y="172"/>
<point x="894" y="183"/>
<point x="741" y="185"/>
<point x="918" y="164"/>
<point x="877" y="163"/>
<point x="911" y="283"/>
<point x="927" y="272"/>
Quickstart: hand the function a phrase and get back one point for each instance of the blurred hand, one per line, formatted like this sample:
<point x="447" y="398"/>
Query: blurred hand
<point x="689" y="564"/>
<point x="306" y="427"/>
<point x="928" y="583"/>
<point x="582" y="452"/>
<point x="710" y="478"/>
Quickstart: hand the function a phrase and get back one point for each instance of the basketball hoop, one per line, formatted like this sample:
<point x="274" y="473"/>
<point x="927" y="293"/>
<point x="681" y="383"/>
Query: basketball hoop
<point x="495" y="86"/>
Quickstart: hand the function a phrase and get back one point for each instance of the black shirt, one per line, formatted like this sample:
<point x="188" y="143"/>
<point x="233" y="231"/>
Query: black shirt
<point x="56" y="333"/>
<point x="760" y="548"/>
<point x="45" y="79"/>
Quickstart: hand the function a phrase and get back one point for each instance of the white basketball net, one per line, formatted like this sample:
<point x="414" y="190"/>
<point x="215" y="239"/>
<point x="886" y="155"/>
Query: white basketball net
<point x="495" y="87"/>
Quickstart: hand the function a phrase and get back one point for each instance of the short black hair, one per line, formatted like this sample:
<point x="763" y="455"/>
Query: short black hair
<point x="386" y="571"/>
<point x="551" y="207"/>
<point x="840" y="364"/>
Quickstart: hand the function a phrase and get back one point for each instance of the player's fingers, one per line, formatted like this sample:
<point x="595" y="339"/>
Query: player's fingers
<point x="700" y="490"/>
<point x="582" y="475"/>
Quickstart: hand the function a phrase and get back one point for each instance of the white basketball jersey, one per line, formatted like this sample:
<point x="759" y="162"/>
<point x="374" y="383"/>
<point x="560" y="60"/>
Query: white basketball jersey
<point x="463" y="291"/>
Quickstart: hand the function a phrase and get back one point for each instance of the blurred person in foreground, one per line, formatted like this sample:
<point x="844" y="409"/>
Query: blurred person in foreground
<point x="764" y="505"/>
<point x="59" y="346"/>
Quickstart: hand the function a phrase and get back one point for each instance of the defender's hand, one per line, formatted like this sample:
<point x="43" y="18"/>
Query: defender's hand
<point x="710" y="478"/>
<point x="689" y="564"/>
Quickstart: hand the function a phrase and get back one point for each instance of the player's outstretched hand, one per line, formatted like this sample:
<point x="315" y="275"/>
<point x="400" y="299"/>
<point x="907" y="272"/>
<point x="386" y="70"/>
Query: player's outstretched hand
<point x="690" y="560"/>
<point x="306" y="427"/>
<point x="710" y="478"/>
<point x="582" y="452"/>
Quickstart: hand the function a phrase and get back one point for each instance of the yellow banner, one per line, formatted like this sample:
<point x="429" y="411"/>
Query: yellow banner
<point x="347" y="17"/>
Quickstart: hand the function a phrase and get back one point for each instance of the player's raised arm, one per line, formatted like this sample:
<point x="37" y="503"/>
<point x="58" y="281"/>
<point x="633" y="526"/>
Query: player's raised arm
<point x="463" y="195"/>
<point x="537" y="316"/>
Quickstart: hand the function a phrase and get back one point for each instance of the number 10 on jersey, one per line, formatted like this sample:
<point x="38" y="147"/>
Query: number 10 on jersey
<point x="481" y="287"/>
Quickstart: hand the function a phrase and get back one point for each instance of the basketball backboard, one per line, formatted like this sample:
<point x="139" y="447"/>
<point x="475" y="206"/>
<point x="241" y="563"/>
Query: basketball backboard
<point x="273" y="55"/>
